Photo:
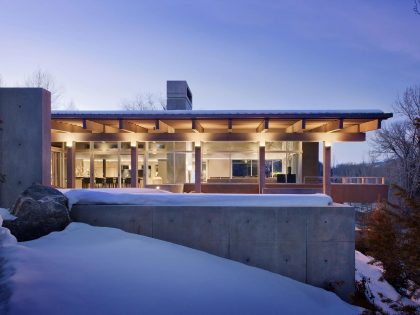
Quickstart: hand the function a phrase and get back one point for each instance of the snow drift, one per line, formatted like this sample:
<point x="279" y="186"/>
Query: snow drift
<point x="92" y="270"/>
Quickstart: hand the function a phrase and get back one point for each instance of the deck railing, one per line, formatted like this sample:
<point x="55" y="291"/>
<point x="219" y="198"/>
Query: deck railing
<point x="362" y="180"/>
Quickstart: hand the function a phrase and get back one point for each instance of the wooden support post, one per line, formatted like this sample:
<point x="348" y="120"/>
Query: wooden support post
<point x="134" y="166"/>
<point x="326" y="168"/>
<point x="197" y="153"/>
<point x="261" y="169"/>
<point x="70" y="164"/>
<point x="92" y="166"/>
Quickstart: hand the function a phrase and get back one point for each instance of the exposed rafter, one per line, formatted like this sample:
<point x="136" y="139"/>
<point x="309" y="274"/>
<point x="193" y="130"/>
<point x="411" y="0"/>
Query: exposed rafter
<point x="230" y="124"/>
<point x="160" y="126"/>
<point x="370" y="125"/>
<point x="297" y="127"/>
<point x="129" y="126"/>
<point x="263" y="126"/>
<point x="96" y="127"/>
<point x="331" y="126"/>
<point x="66" y="127"/>
<point x="196" y="126"/>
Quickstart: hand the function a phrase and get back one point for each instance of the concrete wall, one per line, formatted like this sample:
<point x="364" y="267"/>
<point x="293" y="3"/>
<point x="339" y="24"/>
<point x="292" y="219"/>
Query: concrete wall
<point x="309" y="244"/>
<point x="25" y="145"/>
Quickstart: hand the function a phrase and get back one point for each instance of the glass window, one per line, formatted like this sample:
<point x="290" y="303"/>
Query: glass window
<point x="283" y="161"/>
<point x="170" y="163"/>
<point x="244" y="168"/>
<point x="230" y="161"/>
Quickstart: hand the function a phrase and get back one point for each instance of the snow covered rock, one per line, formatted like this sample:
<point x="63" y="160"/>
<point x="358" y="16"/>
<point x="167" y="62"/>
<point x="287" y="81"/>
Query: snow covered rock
<point x="38" y="191"/>
<point x="40" y="210"/>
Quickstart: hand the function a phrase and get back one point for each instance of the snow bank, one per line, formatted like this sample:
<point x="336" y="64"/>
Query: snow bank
<point x="92" y="270"/>
<point x="157" y="197"/>
<point x="5" y="215"/>
<point x="382" y="293"/>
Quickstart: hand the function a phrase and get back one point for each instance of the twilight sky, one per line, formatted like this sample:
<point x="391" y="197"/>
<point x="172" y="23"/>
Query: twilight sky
<point x="248" y="54"/>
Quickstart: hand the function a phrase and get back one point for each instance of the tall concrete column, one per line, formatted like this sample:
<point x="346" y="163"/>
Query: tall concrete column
<point x="197" y="156"/>
<point x="134" y="166"/>
<point x="261" y="169"/>
<point x="25" y="140"/>
<point x="326" y="169"/>
<point x="71" y="165"/>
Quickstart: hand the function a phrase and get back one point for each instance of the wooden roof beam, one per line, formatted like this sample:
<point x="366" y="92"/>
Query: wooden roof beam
<point x="370" y="125"/>
<point x="196" y="126"/>
<point x="66" y="127"/>
<point x="160" y="126"/>
<point x="331" y="126"/>
<point x="263" y="126"/>
<point x="96" y="127"/>
<point x="230" y="125"/>
<point x="129" y="126"/>
<point x="297" y="127"/>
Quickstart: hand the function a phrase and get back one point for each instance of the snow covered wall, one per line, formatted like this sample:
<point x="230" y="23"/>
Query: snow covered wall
<point x="311" y="244"/>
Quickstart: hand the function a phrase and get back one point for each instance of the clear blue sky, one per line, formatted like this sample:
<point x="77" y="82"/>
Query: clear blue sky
<point x="248" y="54"/>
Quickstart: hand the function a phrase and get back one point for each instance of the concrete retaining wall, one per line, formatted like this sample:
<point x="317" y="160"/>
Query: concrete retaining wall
<point x="309" y="244"/>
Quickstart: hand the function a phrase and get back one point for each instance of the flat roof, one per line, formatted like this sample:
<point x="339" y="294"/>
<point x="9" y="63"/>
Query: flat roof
<point x="217" y="114"/>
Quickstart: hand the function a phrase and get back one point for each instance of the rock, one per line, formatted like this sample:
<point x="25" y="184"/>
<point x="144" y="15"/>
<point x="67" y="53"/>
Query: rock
<point x="40" y="210"/>
<point x="38" y="191"/>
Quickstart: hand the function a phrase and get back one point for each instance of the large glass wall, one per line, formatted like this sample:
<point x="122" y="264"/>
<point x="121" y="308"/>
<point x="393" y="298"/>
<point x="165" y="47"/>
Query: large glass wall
<point x="228" y="161"/>
<point x="111" y="162"/>
<point x="82" y="165"/>
<point x="170" y="163"/>
<point x="160" y="163"/>
<point x="283" y="162"/>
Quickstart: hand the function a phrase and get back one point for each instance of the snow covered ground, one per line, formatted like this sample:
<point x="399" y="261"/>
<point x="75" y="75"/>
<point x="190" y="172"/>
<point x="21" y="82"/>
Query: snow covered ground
<point x="382" y="294"/>
<point x="136" y="196"/>
<point x="94" y="270"/>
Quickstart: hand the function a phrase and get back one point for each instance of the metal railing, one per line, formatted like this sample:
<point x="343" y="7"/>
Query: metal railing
<point x="362" y="180"/>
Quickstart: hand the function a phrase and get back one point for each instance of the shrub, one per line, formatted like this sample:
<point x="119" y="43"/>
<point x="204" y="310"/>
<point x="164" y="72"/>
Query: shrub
<point x="392" y="237"/>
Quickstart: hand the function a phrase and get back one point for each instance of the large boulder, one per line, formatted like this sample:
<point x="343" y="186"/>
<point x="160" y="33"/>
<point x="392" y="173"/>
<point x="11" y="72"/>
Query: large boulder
<point x="40" y="210"/>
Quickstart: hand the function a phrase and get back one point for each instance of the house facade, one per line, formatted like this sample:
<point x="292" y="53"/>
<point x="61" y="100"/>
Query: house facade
<point x="215" y="151"/>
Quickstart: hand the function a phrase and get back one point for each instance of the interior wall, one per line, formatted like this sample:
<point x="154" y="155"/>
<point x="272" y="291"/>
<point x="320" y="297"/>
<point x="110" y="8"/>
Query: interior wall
<point x="218" y="168"/>
<point x="310" y="159"/>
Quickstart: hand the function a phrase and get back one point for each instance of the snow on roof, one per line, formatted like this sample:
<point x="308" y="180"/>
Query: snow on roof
<point x="345" y="113"/>
<point x="151" y="197"/>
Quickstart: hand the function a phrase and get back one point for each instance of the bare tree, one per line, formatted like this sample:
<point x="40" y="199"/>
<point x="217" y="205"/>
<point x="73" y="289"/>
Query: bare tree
<point x="416" y="7"/>
<point x="71" y="106"/>
<point x="399" y="141"/>
<point x="147" y="101"/>
<point x="42" y="79"/>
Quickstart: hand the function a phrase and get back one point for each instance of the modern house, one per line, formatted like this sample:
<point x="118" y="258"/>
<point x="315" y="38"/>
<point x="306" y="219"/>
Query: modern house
<point x="215" y="151"/>
<point x="179" y="149"/>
